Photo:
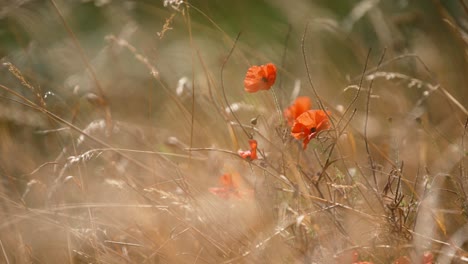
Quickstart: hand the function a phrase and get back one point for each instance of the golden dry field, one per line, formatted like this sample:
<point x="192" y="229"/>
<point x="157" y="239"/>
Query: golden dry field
<point x="179" y="131"/>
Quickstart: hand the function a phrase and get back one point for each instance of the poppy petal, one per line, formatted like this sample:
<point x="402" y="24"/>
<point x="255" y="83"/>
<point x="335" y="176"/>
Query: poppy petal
<point x="250" y="154"/>
<point x="230" y="186"/>
<point x="300" y="105"/>
<point x="220" y="192"/>
<point x="309" y="124"/>
<point x="260" y="78"/>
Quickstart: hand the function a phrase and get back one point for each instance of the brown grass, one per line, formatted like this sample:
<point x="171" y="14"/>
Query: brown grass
<point x="113" y="136"/>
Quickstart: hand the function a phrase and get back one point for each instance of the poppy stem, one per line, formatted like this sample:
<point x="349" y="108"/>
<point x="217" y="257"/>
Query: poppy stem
<point x="277" y="105"/>
<point x="223" y="90"/>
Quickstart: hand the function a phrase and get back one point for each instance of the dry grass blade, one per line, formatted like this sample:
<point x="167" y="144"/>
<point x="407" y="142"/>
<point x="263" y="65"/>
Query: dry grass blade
<point x="4" y="253"/>
<point x="365" y="164"/>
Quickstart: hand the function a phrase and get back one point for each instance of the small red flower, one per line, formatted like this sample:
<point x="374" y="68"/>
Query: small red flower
<point x="355" y="256"/>
<point x="231" y="186"/>
<point x="252" y="153"/>
<point x="300" y="105"/>
<point x="349" y="257"/>
<point x="228" y="187"/>
<point x="402" y="260"/>
<point x="260" y="78"/>
<point x="309" y="124"/>
<point x="428" y="258"/>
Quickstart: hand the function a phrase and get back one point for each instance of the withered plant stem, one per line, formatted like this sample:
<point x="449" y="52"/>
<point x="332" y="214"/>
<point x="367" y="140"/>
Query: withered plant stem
<point x="83" y="56"/>
<point x="369" y="156"/>
<point x="89" y="68"/>
<point x="463" y="179"/>
<point x="192" y="49"/>
<point x="358" y="91"/>
<point x="283" y="57"/>
<point x="309" y="77"/>
<point x="277" y="105"/>
<point x="222" y="86"/>
<point x="4" y="252"/>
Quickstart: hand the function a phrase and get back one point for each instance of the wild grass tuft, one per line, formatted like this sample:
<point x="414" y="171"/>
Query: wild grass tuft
<point x="128" y="136"/>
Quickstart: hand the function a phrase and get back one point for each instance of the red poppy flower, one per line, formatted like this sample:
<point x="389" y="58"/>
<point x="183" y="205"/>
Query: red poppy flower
<point x="347" y="257"/>
<point x="300" y="105"/>
<point x="260" y="78"/>
<point x="252" y="153"/>
<point x="231" y="186"/>
<point x="228" y="187"/>
<point x="402" y="260"/>
<point x="428" y="258"/>
<point x="351" y="257"/>
<point x="309" y="124"/>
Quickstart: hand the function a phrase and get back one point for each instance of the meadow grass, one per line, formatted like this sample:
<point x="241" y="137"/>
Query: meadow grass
<point x="127" y="135"/>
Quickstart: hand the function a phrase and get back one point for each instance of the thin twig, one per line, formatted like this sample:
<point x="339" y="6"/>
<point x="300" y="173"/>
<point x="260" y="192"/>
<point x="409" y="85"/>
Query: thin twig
<point x="213" y="149"/>
<point x="280" y="85"/>
<point x="283" y="58"/>
<point x="222" y="85"/>
<point x="309" y="77"/>
<point x="4" y="252"/>
<point x="123" y="243"/>
<point x="83" y="56"/>
<point x="430" y="239"/>
<point x="198" y="256"/>
<point x="465" y="6"/>
<point x="192" y="48"/>
<point x="277" y="105"/>
<point x="404" y="56"/>
<point x="371" y="160"/>
<point x="462" y="154"/>
<point x="454" y="101"/>
<point x="102" y="206"/>
<point x="359" y="87"/>
<point x="216" y="26"/>
<point x="87" y="64"/>
<point x="40" y="167"/>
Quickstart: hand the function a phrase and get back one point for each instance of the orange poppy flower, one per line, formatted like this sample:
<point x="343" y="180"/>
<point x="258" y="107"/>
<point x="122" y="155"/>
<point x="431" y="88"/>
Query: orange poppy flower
<point x="300" y="105"/>
<point x="347" y="257"/>
<point x="228" y="187"/>
<point x="260" y="78"/>
<point x="250" y="154"/>
<point x="309" y="124"/>
<point x="428" y="258"/>
<point x="402" y="260"/>
<point x="231" y="185"/>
